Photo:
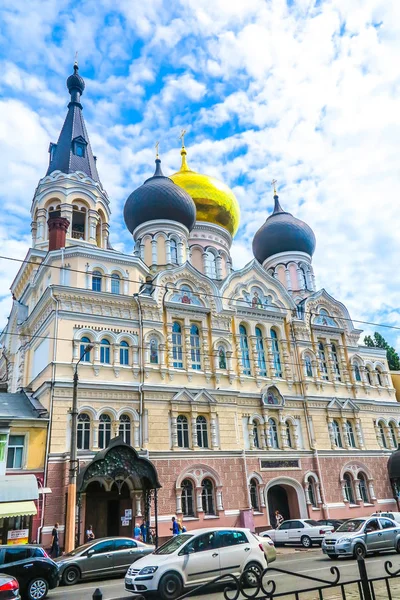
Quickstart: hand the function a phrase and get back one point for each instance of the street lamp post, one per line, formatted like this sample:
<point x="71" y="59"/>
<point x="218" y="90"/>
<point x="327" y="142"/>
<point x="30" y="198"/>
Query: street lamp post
<point x="69" y="542"/>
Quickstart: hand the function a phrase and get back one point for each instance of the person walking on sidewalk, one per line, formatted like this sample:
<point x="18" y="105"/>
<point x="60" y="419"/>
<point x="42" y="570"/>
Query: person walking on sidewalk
<point x="55" y="544"/>
<point x="278" y="518"/>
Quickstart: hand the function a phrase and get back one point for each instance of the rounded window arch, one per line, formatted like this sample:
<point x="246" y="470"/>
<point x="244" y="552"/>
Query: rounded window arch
<point x="154" y="356"/>
<point x="187" y="498"/>
<point x="244" y="347"/>
<point x="256" y="434"/>
<point x="308" y="366"/>
<point x="202" y="432"/>
<point x="368" y="374"/>
<point x="211" y="262"/>
<point x="78" y="228"/>
<point x="84" y="342"/>
<point x="312" y="491"/>
<point x="207" y="496"/>
<point x="182" y="426"/>
<point x="276" y="353"/>
<point x="83" y="432"/>
<point x="382" y="433"/>
<point x="115" y="283"/>
<point x="124" y="353"/>
<point x="195" y="354"/>
<point x="273" y="433"/>
<point x="337" y="434"/>
<point x="177" y="349"/>
<point x="289" y="430"/>
<point x="379" y="377"/>
<point x="174" y="251"/>
<point x="254" y="495"/>
<point x="105" y="352"/>
<point x="336" y="366"/>
<point x="323" y="367"/>
<point x="363" y="487"/>
<point x="97" y="277"/>
<point x="125" y="428"/>
<point x="393" y="435"/>
<point x="261" y="362"/>
<point x="104" y="431"/>
<point x="348" y="488"/>
<point x="357" y="372"/>
<point x="221" y="357"/>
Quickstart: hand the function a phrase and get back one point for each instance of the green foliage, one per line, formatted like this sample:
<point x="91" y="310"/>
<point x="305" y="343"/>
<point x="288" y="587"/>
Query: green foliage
<point x="378" y="341"/>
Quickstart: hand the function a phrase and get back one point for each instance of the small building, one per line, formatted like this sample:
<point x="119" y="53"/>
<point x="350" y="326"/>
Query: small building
<point x="23" y="436"/>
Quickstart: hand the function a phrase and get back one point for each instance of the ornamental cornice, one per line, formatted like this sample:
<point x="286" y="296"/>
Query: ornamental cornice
<point x="76" y="176"/>
<point x="98" y="394"/>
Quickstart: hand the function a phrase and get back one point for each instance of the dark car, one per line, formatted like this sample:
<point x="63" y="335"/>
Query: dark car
<point x="334" y="522"/>
<point x="9" y="588"/>
<point x="35" y="572"/>
<point x="104" y="557"/>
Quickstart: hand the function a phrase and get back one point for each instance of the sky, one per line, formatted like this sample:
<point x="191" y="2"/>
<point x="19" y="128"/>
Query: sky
<point x="305" y="92"/>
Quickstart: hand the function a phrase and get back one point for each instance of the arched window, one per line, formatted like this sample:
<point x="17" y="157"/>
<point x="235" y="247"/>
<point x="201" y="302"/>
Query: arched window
<point x="256" y="438"/>
<point x="96" y="281"/>
<point x="337" y="434"/>
<point x="276" y="354"/>
<point x="115" y="283"/>
<point x="202" y="432"/>
<point x="363" y="487"/>
<point x="211" y="264"/>
<point x="84" y="342"/>
<point x="207" y="497"/>
<point x="254" y="494"/>
<point x="244" y="346"/>
<point x="348" y="488"/>
<point x="177" y="352"/>
<point x="312" y="491"/>
<point x="174" y="251"/>
<point x="382" y="435"/>
<point x="83" y="432"/>
<point x="221" y="358"/>
<point x="350" y="434"/>
<point x="104" y="431"/>
<point x="124" y="353"/>
<point x="289" y="439"/>
<point x="78" y="221"/>
<point x="105" y="352"/>
<point x="154" y="351"/>
<point x="261" y="363"/>
<point x="308" y="366"/>
<point x="273" y="433"/>
<point x="336" y="368"/>
<point x="357" y="373"/>
<point x="393" y="436"/>
<point x="322" y="361"/>
<point x="368" y="374"/>
<point x="379" y="377"/>
<point x="187" y="498"/>
<point x="125" y="428"/>
<point x="182" y="427"/>
<point x="195" y="347"/>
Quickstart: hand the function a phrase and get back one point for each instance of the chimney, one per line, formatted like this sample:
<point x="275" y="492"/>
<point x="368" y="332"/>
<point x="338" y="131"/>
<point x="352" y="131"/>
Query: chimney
<point x="57" y="232"/>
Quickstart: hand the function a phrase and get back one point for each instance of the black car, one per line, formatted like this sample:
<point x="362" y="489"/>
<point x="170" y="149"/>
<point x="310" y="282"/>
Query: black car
<point x="9" y="588"/>
<point x="334" y="522"/>
<point x="35" y="572"/>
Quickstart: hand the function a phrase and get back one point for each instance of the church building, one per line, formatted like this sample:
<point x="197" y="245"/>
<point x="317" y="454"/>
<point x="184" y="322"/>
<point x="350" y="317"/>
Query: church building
<point x="212" y="394"/>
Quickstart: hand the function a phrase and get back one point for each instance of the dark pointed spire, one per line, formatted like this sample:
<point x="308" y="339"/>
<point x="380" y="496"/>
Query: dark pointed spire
<point x="158" y="172"/>
<point x="277" y="207"/>
<point x="73" y="151"/>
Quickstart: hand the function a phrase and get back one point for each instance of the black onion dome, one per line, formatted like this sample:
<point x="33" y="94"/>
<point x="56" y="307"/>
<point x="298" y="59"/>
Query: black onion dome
<point x="394" y="464"/>
<point x="159" y="198"/>
<point x="75" y="81"/>
<point x="282" y="232"/>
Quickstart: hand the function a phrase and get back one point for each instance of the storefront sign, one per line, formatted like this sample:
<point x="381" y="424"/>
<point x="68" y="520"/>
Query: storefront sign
<point x="128" y="513"/>
<point x="279" y="464"/>
<point x="18" y="536"/>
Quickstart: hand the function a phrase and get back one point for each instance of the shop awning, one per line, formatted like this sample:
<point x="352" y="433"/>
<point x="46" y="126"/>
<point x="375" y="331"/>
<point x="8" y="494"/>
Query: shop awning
<point x="15" y="488"/>
<point x="17" y="509"/>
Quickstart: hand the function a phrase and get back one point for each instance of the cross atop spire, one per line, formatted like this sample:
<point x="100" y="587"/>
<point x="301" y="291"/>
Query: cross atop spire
<point x="157" y="147"/>
<point x="182" y="137"/>
<point x="274" y="182"/>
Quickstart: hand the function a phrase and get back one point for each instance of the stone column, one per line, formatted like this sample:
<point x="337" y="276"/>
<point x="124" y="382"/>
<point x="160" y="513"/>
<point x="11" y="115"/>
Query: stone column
<point x="331" y="434"/>
<point x="357" y="490"/>
<point x="178" y="501"/>
<point x="41" y="225"/>
<point x="198" y="500"/>
<point x="343" y="486"/>
<point x="92" y="223"/>
<point x="180" y="252"/>
<point x="138" y="503"/>
<point x="359" y="436"/>
<point x="76" y="349"/>
<point x="205" y="264"/>
<point x="250" y="427"/>
<point x="214" y="436"/>
<point x="218" y="264"/>
<point x="141" y="250"/>
<point x="318" y="490"/>
<point x="154" y="260"/>
<point x="371" y="489"/>
<point x="114" y="428"/>
<point x="282" y="428"/>
<point x="260" y="489"/>
<point x="254" y="355"/>
<point x="378" y="435"/>
<point x="300" y="278"/>
<point x="168" y="251"/>
<point x="219" y="499"/>
<point x="307" y="492"/>
<point x="174" y="430"/>
<point x="267" y="434"/>
<point x="287" y="279"/>
<point x="136" y="442"/>
<point x="95" y="434"/>
<point x="194" y="431"/>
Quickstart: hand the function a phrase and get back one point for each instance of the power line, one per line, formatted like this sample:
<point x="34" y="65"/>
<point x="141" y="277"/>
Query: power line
<point x="171" y="287"/>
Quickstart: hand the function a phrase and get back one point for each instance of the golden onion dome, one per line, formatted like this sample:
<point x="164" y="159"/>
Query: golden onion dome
<point x="215" y="201"/>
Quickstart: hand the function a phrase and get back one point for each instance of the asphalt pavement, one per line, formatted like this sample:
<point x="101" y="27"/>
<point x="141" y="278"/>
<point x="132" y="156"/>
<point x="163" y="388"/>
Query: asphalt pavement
<point x="310" y="563"/>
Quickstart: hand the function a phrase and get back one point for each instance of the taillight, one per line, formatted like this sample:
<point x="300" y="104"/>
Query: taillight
<point x="45" y="554"/>
<point x="322" y="531"/>
<point x="10" y="585"/>
<point x="261" y="547"/>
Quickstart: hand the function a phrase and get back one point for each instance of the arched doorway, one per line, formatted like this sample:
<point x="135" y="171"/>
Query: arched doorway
<point x="287" y="496"/>
<point x="104" y="509"/>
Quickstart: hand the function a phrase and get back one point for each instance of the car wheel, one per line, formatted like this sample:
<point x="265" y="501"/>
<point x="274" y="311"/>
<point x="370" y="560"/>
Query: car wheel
<point x="252" y="574"/>
<point x="71" y="575"/>
<point x="170" y="586"/>
<point x="37" y="589"/>
<point x="398" y="547"/>
<point x="359" y="550"/>
<point x="306" y="541"/>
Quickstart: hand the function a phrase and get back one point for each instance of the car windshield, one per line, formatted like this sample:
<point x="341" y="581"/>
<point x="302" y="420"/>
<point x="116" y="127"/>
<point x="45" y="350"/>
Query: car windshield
<point x="173" y="544"/>
<point x="350" y="526"/>
<point x="79" y="549"/>
<point x="311" y="522"/>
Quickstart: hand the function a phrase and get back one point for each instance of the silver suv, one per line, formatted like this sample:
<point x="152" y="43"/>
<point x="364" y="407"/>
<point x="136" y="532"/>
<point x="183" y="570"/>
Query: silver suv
<point x="357" y="537"/>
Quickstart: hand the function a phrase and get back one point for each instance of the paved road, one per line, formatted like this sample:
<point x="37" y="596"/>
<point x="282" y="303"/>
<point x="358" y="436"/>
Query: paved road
<point x="307" y="563"/>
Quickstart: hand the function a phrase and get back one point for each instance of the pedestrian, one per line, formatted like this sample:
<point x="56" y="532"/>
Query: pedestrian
<point x="136" y="532"/>
<point x="55" y="545"/>
<point x="175" y="527"/>
<point x="143" y="530"/>
<point x="278" y="518"/>
<point x="90" y="534"/>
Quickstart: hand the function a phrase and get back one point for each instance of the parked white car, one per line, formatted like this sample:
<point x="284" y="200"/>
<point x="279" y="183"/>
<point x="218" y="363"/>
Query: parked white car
<point x="197" y="557"/>
<point x="298" y="531"/>
<point x="395" y="516"/>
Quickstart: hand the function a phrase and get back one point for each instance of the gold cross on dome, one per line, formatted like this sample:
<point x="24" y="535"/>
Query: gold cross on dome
<point x="274" y="182"/>
<point x="157" y="146"/>
<point x="182" y="137"/>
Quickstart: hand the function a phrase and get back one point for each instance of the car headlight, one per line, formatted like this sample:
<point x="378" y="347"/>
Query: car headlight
<point x="148" y="570"/>
<point x="345" y="540"/>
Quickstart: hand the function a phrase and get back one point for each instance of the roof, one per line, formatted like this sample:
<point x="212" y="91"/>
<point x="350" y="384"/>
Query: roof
<point x="16" y="488"/>
<point x="20" y="406"/>
<point x="63" y="157"/>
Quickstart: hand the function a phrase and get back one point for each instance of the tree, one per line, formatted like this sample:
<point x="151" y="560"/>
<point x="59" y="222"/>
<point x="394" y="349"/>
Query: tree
<point x="379" y="341"/>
